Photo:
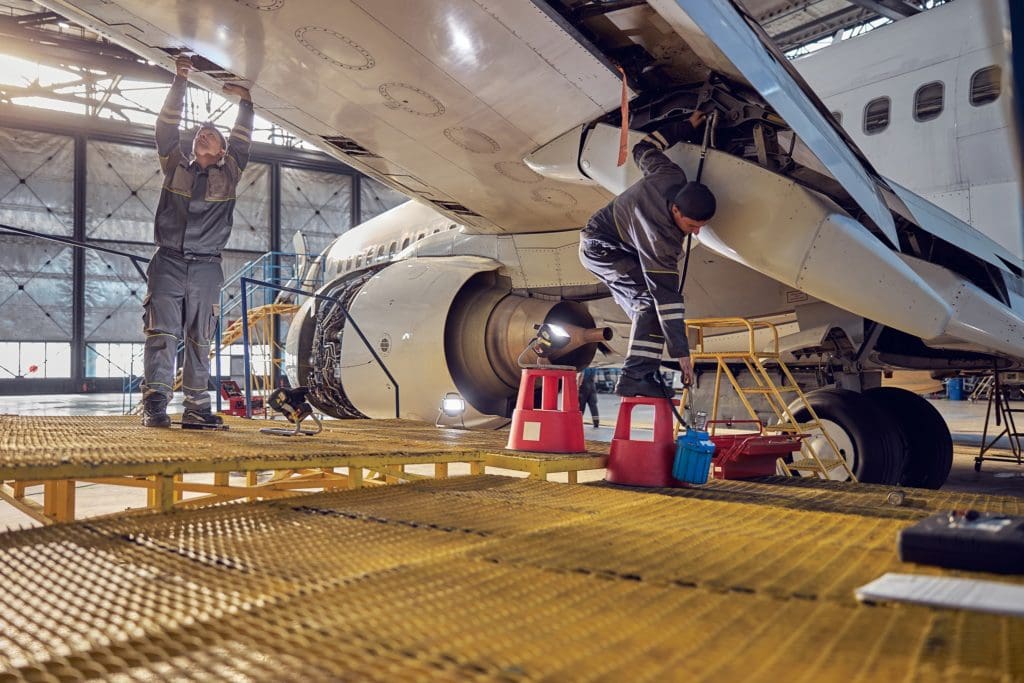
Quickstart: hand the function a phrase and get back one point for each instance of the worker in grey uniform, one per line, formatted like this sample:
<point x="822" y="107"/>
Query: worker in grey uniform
<point x="634" y="245"/>
<point x="193" y="223"/>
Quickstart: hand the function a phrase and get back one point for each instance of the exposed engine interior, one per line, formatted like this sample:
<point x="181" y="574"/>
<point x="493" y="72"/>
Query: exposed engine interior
<point x="487" y="327"/>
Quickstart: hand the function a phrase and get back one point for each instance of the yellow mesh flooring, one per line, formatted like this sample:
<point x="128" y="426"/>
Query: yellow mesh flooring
<point x="36" y="446"/>
<point x="487" y="578"/>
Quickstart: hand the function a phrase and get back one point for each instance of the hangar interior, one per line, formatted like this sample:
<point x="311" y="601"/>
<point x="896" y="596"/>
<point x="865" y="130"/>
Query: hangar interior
<point x="393" y="549"/>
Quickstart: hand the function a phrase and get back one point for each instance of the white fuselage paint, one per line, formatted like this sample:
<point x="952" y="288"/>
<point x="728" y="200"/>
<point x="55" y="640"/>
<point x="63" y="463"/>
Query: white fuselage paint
<point x="963" y="159"/>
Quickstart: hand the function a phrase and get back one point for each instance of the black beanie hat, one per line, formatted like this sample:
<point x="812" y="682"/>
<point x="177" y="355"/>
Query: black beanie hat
<point x="695" y="201"/>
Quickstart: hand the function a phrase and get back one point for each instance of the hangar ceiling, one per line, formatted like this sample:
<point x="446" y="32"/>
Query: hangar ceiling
<point x="794" y="23"/>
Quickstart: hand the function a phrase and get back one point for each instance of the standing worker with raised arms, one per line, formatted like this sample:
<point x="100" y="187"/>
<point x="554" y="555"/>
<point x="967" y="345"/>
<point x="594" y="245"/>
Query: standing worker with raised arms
<point x="193" y="223"/>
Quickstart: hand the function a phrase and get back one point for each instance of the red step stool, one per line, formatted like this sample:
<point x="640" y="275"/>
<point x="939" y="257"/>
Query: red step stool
<point x="643" y="463"/>
<point x="547" y="428"/>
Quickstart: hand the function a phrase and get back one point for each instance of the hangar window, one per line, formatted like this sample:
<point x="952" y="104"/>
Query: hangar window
<point x="838" y="116"/>
<point x="985" y="85"/>
<point x="112" y="359"/>
<point x="928" y="101"/>
<point x="32" y="360"/>
<point x="876" y="115"/>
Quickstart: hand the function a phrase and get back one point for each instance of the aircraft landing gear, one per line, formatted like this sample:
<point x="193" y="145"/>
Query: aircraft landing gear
<point x="928" y="445"/>
<point x="867" y="438"/>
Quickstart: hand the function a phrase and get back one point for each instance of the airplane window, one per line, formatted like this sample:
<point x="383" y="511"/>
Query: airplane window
<point x="838" y="116"/>
<point x="436" y="230"/>
<point x="359" y="260"/>
<point x="985" y="85"/>
<point x="392" y="249"/>
<point x="380" y="252"/>
<point x="876" y="115"/>
<point x="419" y="236"/>
<point x="405" y="243"/>
<point x="928" y="101"/>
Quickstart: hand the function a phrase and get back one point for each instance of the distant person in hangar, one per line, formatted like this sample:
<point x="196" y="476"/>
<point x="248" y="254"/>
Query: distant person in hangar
<point x="193" y="223"/>
<point x="634" y="245"/>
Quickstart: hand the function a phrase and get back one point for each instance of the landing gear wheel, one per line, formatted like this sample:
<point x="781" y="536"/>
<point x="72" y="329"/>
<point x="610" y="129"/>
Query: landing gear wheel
<point x="929" y="446"/>
<point x="867" y="438"/>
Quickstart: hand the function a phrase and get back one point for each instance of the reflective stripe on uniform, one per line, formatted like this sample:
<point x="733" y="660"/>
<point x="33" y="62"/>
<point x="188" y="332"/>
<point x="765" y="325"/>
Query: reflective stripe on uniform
<point x="645" y="354"/>
<point x="650" y="346"/>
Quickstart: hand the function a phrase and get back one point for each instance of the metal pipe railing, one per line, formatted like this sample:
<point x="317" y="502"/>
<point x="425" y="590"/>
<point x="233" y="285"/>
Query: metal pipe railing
<point x="135" y="258"/>
<point x="245" y="282"/>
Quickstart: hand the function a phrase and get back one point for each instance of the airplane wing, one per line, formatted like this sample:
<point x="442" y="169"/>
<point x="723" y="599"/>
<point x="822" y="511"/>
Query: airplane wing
<point x="444" y="100"/>
<point x="439" y="100"/>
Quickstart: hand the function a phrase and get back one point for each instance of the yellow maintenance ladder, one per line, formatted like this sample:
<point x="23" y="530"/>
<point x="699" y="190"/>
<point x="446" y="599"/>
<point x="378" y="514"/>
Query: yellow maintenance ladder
<point x="762" y="347"/>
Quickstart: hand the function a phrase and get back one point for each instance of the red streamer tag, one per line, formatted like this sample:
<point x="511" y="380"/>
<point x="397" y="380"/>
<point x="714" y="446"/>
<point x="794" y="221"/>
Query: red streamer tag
<point x="624" y="132"/>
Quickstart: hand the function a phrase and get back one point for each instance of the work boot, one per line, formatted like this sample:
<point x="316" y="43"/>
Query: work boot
<point x="199" y="418"/>
<point x="597" y="423"/>
<point x="154" y="411"/>
<point x="648" y="385"/>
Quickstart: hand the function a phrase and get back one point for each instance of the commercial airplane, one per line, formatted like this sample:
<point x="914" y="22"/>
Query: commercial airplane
<point x="502" y="119"/>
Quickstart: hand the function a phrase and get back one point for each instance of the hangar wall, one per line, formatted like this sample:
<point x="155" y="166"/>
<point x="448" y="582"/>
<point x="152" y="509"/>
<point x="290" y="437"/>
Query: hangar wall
<point x="70" y="319"/>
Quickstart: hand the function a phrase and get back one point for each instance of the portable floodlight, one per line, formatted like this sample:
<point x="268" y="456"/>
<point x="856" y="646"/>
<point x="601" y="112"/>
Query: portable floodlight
<point x="452" y="409"/>
<point x="550" y="338"/>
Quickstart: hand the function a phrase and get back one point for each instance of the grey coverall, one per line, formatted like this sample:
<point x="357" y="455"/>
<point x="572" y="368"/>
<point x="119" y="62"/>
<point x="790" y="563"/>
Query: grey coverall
<point x="193" y="223"/>
<point x="633" y="245"/>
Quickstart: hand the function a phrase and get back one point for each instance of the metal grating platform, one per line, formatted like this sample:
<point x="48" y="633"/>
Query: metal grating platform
<point x="56" y="447"/>
<point x="488" y="578"/>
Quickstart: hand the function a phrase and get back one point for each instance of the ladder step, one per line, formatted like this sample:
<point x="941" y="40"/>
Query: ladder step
<point x="811" y="465"/>
<point x="800" y="427"/>
<point x="768" y="390"/>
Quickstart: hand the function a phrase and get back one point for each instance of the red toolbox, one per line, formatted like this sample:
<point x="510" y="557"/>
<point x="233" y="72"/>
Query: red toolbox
<point x="232" y="393"/>
<point x="749" y="455"/>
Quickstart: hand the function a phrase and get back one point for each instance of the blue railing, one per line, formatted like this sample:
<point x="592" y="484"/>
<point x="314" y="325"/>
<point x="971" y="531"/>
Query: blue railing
<point x="272" y="270"/>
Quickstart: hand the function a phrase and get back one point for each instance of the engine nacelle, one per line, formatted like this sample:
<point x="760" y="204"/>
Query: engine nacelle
<point x="439" y="325"/>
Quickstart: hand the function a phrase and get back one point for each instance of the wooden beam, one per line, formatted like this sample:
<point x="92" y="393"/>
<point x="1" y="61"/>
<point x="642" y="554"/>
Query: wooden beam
<point x="29" y="507"/>
<point x="59" y="499"/>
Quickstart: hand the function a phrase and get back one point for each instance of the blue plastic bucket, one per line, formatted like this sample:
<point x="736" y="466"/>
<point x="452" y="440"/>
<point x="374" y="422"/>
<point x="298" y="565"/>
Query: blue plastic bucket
<point x="955" y="389"/>
<point x="693" y="457"/>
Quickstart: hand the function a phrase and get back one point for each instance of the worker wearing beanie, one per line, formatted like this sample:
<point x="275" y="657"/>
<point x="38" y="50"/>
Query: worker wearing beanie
<point x="634" y="245"/>
<point x="193" y="223"/>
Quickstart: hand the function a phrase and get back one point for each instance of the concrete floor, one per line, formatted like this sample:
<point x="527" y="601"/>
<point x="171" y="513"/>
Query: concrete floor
<point x="964" y="418"/>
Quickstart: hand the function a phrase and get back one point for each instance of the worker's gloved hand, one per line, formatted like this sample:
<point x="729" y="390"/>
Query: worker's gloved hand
<point x="686" y="366"/>
<point x="238" y="91"/>
<point x="182" y="65"/>
<point x="682" y="129"/>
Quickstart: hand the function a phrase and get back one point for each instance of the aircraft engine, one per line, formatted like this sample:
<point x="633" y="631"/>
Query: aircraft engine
<point x="438" y="325"/>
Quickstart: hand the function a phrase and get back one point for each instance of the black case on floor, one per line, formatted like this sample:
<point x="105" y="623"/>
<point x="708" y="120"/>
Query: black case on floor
<point x="966" y="540"/>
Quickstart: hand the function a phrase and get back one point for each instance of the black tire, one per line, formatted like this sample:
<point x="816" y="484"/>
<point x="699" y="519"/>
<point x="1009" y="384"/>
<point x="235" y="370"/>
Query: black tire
<point x="875" y="437"/>
<point x="929" y="445"/>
